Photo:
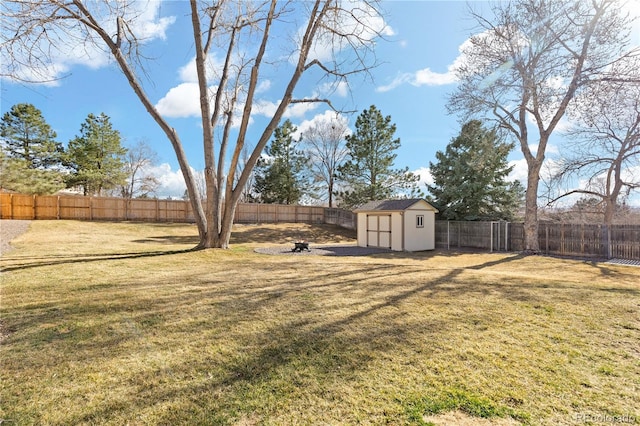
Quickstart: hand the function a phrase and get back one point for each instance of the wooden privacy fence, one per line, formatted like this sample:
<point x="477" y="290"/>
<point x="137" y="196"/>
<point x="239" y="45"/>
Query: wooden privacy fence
<point x="19" y="206"/>
<point x="564" y="239"/>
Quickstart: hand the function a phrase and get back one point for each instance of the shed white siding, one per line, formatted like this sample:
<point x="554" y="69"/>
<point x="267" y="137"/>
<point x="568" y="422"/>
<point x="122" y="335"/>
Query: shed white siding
<point x="401" y="225"/>
<point x="417" y="238"/>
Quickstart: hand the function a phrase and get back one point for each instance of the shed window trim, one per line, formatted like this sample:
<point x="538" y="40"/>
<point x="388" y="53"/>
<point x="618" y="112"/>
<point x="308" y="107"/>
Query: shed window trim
<point x="420" y="221"/>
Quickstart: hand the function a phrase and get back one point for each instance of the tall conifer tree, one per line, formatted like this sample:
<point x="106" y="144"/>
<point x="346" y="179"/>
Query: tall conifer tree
<point x="368" y="171"/>
<point x="27" y="136"/>
<point x="280" y="175"/>
<point x="96" y="157"/>
<point x="469" y="178"/>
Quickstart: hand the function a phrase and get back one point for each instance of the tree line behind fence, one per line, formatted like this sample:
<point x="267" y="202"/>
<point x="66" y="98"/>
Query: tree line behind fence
<point x="565" y="239"/>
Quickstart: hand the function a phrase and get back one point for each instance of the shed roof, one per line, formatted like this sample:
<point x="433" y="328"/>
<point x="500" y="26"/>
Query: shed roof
<point x="391" y="205"/>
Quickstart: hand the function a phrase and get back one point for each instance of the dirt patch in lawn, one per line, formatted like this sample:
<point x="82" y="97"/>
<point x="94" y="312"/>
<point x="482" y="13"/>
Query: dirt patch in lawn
<point x="458" y="418"/>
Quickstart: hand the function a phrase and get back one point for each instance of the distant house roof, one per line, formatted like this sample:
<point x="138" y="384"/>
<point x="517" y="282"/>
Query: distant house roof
<point x="391" y="205"/>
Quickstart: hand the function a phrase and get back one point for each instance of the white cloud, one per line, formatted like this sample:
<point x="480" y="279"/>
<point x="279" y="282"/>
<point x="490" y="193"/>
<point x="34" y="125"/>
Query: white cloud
<point x="295" y="110"/>
<point x="329" y="117"/>
<point x="428" y="77"/>
<point x="150" y="25"/>
<point x="263" y="86"/>
<point x="339" y="88"/>
<point x="171" y="181"/>
<point x="520" y="171"/>
<point x="425" y="176"/>
<point x="189" y="74"/>
<point x="265" y="108"/>
<point x="298" y="110"/>
<point x="181" y="101"/>
<point x="423" y="77"/>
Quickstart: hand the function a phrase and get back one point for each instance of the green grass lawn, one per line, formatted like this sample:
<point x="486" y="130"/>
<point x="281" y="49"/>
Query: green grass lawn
<point x="119" y="323"/>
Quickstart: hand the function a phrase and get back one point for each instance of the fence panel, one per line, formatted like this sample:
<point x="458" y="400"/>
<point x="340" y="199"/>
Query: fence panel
<point x="175" y="211"/>
<point x="18" y="206"/>
<point x="142" y="209"/>
<point x="516" y="236"/>
<point x="316" y="215"/>
<point x="6" y="205"/>
<point x="570" y="239"/>
<point x="285" y="213"/>
<point x="625" y="242"/>
<point x="343" y="218"/>
<point x="46" y="207"/>
<point x="247" y="213"/>
<point x="108" y="208"/>
<point x="75" y="208"/>
<point x="456" y="234"/>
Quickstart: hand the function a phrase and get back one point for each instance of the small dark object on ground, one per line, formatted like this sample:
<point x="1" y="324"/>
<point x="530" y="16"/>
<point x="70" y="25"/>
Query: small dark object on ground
<point x="301" y="245"/>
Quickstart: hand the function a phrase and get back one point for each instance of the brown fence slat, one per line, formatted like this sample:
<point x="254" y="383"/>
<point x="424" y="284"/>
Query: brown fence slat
<point x="20" y="206"/>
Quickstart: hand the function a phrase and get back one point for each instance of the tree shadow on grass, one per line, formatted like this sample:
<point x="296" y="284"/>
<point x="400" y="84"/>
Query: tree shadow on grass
<point x="170" y="239"/>
<point x="313" y="346"/>
<point x="18" y="263"/>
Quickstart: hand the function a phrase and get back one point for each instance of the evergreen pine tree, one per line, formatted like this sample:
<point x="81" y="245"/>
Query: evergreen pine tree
<point x="96" y="157"/>
<point x="280" y="175"/>
<point x="469" y="178"/>
<point x="27" y="136"/>
<point x="368" y="171"/>
<point x="16" y="175"/>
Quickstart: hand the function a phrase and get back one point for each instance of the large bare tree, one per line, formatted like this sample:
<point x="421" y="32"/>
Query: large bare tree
<point x="525" y="66"/>
<point x="605" y="153"/>
<point x="325" y="145"/>
<point x="137" y="162"/>
<point x="329" y="39"/>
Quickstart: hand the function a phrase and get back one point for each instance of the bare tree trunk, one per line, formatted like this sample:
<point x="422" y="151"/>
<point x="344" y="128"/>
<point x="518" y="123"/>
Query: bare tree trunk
<point x="531" y="244"/>
<point x="330" y="191"/>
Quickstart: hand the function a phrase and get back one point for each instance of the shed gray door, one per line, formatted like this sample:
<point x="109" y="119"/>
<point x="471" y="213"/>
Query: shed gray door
<point x="379" y="231"/>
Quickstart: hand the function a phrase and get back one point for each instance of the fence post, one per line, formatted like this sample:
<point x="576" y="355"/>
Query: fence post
<point x="506" y="235"/>
<point x="546" y="234"/>
<point x="58" y="207"/>
<point x="490" y="237"/>
<point x="606" y="241"/>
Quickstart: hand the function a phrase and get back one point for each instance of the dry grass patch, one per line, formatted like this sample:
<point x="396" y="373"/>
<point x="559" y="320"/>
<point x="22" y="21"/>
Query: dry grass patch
<point x="118" y="323"/>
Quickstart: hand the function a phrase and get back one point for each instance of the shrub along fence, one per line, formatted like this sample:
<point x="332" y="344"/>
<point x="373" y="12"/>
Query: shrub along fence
<point x="563" y="239"/>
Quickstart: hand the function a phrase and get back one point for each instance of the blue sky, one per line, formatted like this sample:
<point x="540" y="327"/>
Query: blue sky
<point x="410" y="84"/>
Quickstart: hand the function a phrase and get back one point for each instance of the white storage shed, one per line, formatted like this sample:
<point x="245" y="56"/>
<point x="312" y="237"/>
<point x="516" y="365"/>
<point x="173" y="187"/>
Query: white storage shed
<point x="400" y="225"/>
